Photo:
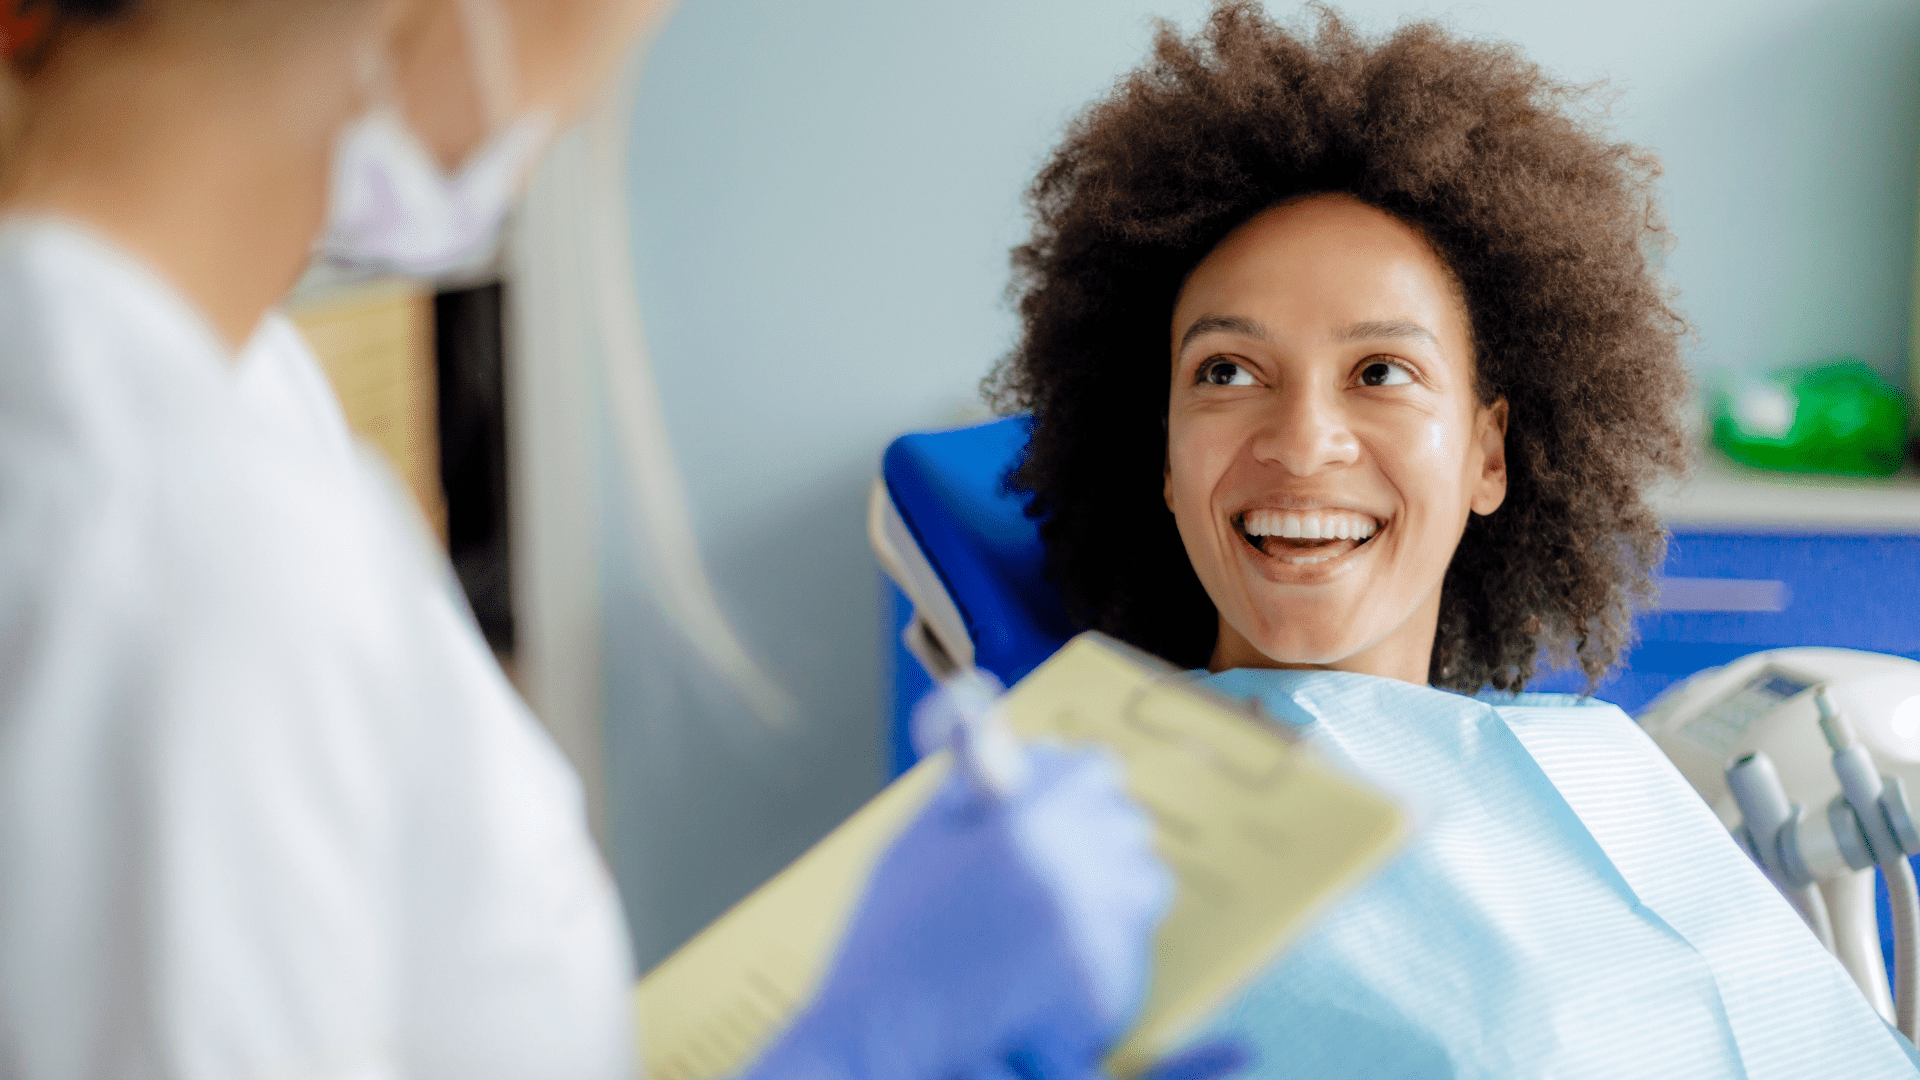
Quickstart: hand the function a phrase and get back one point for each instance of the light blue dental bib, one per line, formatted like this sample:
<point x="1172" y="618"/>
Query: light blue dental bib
<point x="1570" y="908"/>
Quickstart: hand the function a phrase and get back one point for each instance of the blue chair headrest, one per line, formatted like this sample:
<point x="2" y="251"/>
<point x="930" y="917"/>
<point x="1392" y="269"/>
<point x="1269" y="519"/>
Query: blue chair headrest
<point x="950" y="489"/>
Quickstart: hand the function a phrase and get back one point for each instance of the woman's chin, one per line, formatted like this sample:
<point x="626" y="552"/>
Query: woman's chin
<point x="1366" y="640"/>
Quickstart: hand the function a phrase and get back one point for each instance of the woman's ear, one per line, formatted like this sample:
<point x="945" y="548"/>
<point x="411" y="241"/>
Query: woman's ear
<point x="1491" y="489"/>
<point x="1166" y="462"/>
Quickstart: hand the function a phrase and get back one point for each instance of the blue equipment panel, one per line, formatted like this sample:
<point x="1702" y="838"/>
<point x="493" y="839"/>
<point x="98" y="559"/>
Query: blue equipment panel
<point x="1850" y="591"/>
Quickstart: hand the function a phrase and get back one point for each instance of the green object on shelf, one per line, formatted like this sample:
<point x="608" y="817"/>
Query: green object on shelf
<point x="1837" y="417"/>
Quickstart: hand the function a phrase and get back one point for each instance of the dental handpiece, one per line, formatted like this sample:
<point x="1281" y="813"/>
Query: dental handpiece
<point x="964" y="714"/>
<point x="1864" y="790"/>
<point x="1765" y="812"/>
<point x="1860" y="782"/>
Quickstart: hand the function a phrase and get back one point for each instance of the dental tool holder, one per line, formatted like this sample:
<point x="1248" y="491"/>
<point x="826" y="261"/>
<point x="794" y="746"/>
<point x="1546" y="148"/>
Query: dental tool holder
<point x="1810" y="848"/>
<point x="1869" y="823"/>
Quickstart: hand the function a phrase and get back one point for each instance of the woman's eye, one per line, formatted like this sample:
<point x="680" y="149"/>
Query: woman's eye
<point x="1223" y="372"/>
<point x="1384" y="373"/>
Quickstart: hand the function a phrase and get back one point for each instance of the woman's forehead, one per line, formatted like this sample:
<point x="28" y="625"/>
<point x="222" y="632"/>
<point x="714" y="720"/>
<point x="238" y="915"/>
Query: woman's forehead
<point x="1315" y="268"/>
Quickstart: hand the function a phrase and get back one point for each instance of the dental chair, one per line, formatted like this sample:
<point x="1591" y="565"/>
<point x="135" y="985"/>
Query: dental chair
<point x="967" y="585"/>
<point x="967" y="582"/>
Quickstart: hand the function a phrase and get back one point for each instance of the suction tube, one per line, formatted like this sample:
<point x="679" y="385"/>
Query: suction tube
<point x="657" y="492"/>
<point x="1812" y="908"/>
<point x="1765" y="814"/>
<point x="1904" y="899"/>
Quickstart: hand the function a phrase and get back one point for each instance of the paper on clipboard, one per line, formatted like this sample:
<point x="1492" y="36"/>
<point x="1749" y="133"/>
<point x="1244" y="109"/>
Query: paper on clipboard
<point x="1259" y="833"/>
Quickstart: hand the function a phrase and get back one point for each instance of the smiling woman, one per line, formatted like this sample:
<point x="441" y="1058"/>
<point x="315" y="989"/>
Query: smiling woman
<point x="1407" y="291"/>
<point x="1349" y="367"/>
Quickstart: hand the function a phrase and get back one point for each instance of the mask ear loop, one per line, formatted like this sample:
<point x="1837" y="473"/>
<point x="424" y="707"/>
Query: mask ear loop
<point x="373" y="72"/>
<point x="490" y="57"/>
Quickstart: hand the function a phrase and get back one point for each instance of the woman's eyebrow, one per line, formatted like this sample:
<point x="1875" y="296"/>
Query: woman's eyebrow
<point x="1374" y="330"/>
<point x="1224" y="324"/>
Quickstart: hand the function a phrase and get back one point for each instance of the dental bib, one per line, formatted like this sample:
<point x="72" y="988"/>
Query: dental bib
<point x="1570" y="909"/>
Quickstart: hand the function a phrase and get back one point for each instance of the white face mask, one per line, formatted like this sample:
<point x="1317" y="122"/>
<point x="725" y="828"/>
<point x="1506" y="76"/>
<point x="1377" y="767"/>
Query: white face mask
<point x="393" y="208"/>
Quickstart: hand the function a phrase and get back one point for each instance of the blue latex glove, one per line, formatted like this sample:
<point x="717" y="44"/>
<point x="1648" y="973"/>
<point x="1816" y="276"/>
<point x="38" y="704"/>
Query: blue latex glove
<point x="1207" y="1061"/>
<point x="998" y="937"/>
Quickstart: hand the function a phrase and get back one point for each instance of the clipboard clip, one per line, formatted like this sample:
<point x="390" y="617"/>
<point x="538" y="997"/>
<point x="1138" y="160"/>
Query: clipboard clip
<point x="1135" y="717"/>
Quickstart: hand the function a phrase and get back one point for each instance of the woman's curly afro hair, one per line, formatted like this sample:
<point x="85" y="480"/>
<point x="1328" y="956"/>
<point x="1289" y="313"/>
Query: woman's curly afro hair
<point x="1550" y="228"/>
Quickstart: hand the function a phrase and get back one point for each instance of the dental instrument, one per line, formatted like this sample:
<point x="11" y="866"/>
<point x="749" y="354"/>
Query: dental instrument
<point x="963" y="712"/>
<point x="1765" y="811"/>
<point x="1881" y="812"/>
<point x="1805" y="754"/>
<point x="1869" y="823"/>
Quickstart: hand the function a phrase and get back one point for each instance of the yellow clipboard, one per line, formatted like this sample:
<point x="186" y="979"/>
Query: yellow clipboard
<point x="1259" y="833"/>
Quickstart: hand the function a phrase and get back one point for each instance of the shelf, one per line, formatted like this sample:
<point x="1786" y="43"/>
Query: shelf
<point x="1729" y="496"/>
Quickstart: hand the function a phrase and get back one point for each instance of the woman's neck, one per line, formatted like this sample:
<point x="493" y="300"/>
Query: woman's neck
<point x="207" y="154"/>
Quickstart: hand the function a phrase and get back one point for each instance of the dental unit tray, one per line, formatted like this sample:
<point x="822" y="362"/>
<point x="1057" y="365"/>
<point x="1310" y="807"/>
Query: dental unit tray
<point x="1260" y="835"/>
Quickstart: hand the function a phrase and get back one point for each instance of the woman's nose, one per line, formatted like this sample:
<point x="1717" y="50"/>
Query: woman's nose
<point x="1304" y="434"/>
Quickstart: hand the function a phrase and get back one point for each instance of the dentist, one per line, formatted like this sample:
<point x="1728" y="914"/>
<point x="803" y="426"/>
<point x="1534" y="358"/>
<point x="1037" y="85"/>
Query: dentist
<point x="268" y="807"/>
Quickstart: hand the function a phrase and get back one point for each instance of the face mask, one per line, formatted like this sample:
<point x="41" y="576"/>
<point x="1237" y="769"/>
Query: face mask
<point x="393" y="209"/>
<point x="392" y="206"/>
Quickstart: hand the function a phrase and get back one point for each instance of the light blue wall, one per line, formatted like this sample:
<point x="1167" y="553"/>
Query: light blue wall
<point x="825" y="193"/>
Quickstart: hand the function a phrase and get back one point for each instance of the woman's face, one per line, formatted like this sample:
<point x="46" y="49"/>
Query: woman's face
<point x="1324" y="441"/>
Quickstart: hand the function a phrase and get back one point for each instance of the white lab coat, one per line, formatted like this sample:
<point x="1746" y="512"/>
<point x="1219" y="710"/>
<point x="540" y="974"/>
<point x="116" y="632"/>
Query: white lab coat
<point x="268" y="807"/>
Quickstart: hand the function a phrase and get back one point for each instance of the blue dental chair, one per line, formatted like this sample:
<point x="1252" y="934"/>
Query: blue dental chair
<point x="968" y="585"/>
<point x="942" y="521"/>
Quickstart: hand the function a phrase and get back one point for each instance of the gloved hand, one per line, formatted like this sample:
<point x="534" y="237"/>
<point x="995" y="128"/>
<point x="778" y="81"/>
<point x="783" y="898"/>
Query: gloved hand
<point x="998" y="937"/>
<point x="1206" y="1061"/>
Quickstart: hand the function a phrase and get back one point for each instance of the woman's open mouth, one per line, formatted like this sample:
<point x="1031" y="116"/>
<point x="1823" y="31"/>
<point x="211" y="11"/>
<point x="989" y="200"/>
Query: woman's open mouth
<point x="1306" y="537"/>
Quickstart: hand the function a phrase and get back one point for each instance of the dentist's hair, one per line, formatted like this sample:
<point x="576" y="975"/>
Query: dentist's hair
<point x="1551" y="229"/>
<point x="77" y="9"/>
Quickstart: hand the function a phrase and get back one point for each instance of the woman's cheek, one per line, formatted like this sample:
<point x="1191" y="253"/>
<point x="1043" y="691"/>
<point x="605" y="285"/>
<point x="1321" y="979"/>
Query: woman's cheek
<point x="1205" y="445"/>
<point x="1193" y="476"/>
<point x="1184" y="462"/>
<point x="1422" y="459"/>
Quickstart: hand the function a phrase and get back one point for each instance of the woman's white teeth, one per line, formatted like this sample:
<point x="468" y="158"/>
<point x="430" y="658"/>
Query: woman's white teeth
<point x="1312" y="525"/>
